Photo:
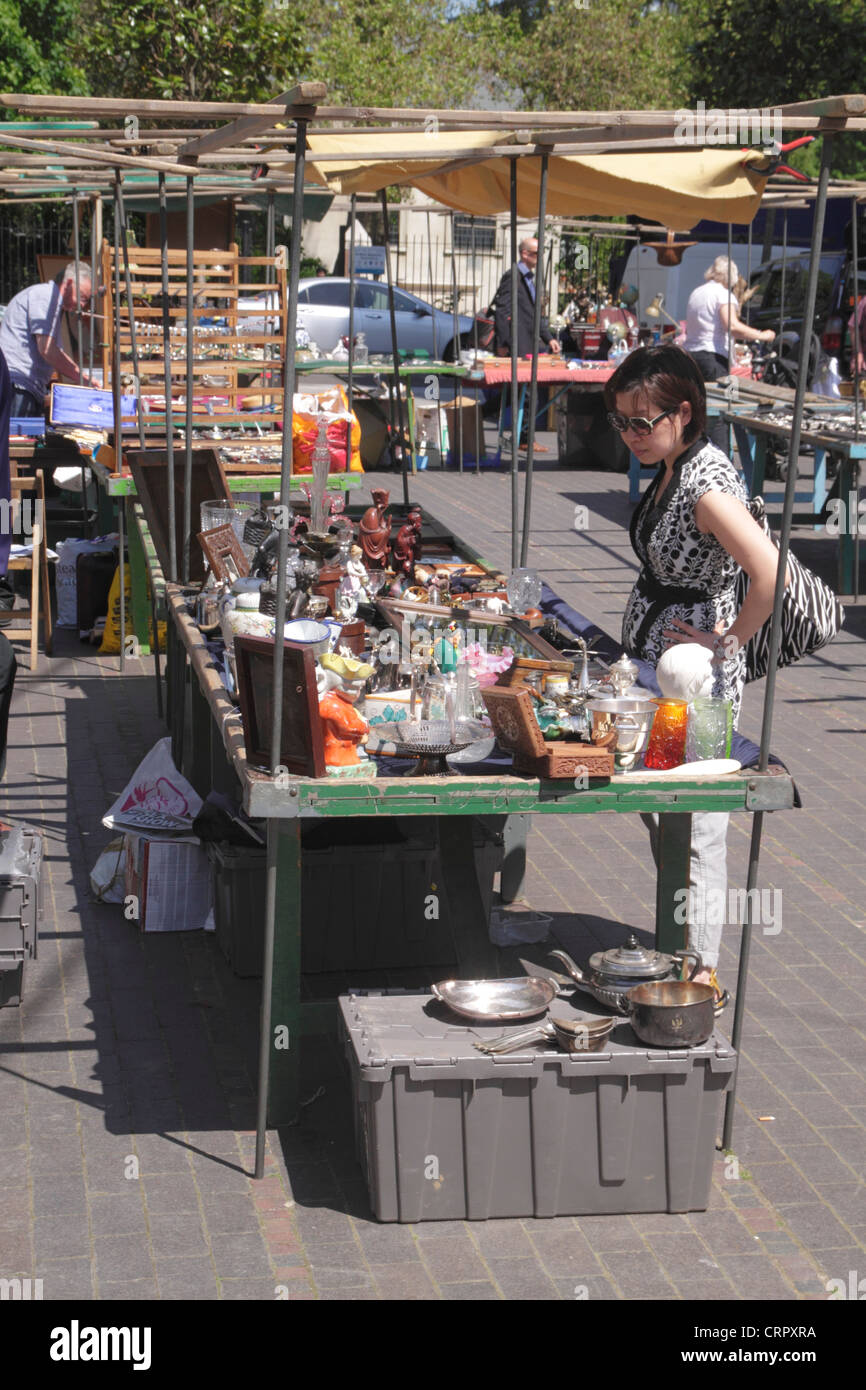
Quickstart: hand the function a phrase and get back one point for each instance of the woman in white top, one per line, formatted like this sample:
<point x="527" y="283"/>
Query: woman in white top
<point x="711" y="311"/>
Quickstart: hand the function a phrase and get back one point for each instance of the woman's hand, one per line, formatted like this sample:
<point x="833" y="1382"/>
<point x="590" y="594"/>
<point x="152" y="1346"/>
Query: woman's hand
<point x="723" y="644"/>
<point x="687" y="633"/>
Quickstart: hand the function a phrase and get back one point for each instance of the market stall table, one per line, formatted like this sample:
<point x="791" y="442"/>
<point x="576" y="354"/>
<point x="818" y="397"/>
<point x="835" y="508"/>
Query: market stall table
<point x="552" y="371"/>
<point x="752" y="437"/>
<point x="120" y="487"/>
<point x="286" y="803"/>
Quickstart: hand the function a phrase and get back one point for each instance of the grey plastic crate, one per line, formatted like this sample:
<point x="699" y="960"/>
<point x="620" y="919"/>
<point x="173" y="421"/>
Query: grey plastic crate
<point x="20" y="906"/>
<point x="363" y="905"/>
<point x="443" y="1132"/>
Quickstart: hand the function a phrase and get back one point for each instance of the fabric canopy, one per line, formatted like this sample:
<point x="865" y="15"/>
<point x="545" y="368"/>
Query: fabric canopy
<point x="677" y="188"/>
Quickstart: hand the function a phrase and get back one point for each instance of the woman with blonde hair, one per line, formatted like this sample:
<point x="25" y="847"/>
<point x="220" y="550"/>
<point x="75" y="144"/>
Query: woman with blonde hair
<point x="711" y="312"/>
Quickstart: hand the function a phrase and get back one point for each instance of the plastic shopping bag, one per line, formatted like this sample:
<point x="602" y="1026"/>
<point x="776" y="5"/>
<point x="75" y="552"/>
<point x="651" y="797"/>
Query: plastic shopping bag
<point x="157" y="796"/>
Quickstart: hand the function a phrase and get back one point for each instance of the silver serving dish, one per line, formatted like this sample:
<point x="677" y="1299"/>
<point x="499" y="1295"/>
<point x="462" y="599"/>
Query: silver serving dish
<point x="429" y="740"/>
<point x="496" y="1000"/>
<point x="631" y="717"/>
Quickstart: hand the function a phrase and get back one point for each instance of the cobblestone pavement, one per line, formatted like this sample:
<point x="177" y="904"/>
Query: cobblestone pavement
<point x="127" y="1075"/>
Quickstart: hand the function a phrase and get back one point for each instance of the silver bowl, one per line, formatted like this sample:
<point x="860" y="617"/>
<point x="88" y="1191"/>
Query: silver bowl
<point x="632" y="717"/>
<point x="496" y="1000"/>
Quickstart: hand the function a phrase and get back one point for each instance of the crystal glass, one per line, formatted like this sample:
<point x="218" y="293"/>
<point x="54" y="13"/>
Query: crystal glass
<point x="667" y="740"/>
<point x="710" y="728"/>
<point x="217" y="512"/>
<point x="523" y="589"/>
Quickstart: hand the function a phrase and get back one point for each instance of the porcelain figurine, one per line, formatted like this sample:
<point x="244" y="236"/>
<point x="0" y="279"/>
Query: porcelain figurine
<point x="340" y="683"/>
<point x="375" y="530"/>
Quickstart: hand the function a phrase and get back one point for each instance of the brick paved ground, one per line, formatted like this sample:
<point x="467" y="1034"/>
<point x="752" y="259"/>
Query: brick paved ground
<point x="136" y="1055"/>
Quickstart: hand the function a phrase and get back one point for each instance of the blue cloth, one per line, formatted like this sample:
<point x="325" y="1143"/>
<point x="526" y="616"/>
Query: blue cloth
<point x="5" y="483"/>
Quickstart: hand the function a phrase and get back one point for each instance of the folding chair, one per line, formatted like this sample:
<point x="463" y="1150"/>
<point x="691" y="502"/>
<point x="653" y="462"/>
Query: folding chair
<point x="36" y="563"/>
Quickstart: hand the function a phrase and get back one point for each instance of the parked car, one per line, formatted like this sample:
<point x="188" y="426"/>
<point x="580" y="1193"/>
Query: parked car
<point x="323" y="310"/>
<point x="836" y="336"/>
<point x="765" y="308"/>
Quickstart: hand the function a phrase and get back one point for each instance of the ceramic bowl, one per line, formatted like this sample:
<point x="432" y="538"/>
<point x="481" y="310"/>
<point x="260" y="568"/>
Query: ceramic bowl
<point x="317" y="636"/>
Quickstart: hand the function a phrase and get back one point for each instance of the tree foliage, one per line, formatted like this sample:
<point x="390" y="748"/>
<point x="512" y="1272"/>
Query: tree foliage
<point x="407" y="52"/>
<point x="742" y="54"/>
<point x="599" y="55"/>
<point x="201" y="50"/>
<point x="34" y="52"/>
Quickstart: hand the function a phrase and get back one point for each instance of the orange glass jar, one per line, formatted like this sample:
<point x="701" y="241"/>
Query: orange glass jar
<point x="667" y="740"/>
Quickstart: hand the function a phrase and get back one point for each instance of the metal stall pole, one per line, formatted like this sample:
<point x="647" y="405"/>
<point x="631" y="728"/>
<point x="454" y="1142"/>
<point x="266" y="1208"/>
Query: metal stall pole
<point x="118" y="424"/>
<point x="435" y="343"/>
<point x="96" y="301"/>
<point x="76" y="250"/>
<point x="479" y="429"/>
<point x="190" y="375"/>
<point x="855" y="256"/>
<point x="130" y="309"/>
<point x="730" y="338"/>
<point x="279" y="639"/>
<point x="399" y="411"/>
<point x="79" y="350"/>
<point x="776" y="628"/>
<point x="782" y="285"/>
<point x="350" y="385"/>
<point x="455" y="352"/>
<point x="515" y="423"/>
<point x="270" y="279"/>
<point x="140" y="417"/>
<point x="430" y="283"/>
<point x="533" y="371"/>
<point x="169" y="413"/>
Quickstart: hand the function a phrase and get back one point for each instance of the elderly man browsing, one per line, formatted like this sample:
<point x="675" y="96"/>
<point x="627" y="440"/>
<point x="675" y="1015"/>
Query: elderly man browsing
<point x="30" y="338"/>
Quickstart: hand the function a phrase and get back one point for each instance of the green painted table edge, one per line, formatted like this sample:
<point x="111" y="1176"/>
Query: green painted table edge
<point x="116" y="486"/>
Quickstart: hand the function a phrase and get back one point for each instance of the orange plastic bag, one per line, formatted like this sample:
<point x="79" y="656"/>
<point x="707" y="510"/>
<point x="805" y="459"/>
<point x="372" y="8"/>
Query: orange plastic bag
<point x="305" y="430"/>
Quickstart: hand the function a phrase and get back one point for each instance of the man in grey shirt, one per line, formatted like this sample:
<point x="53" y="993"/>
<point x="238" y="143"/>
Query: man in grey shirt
<point x="30" y="338"/>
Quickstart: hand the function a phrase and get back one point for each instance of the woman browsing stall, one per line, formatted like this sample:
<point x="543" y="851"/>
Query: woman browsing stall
<point x="692" y="532"/>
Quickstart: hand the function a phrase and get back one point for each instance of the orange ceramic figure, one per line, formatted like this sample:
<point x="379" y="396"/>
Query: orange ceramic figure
<point x="343" y="729"/>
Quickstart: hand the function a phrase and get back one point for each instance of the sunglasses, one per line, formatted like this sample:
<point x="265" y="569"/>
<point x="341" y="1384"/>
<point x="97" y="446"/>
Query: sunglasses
<point x="636" y="423"/>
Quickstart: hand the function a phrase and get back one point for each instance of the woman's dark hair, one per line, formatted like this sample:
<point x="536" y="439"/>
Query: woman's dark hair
<point x="670" y="376"/>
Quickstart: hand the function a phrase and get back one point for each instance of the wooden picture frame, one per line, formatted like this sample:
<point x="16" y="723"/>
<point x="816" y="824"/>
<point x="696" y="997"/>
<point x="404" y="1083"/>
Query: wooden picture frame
<point x="208" y="481"/>
<point x="302" y="747"/>
<point x="224" y="553"/>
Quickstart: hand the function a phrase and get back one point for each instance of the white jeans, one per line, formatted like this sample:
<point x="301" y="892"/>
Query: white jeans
<point x="705" y="902"/>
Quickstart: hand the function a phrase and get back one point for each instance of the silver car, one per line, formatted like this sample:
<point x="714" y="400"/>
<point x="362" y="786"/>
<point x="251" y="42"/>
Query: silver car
<point x="323" y="310"/>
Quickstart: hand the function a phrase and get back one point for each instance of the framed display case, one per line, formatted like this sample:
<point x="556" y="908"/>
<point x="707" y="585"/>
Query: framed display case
<point x="302" y="749"/>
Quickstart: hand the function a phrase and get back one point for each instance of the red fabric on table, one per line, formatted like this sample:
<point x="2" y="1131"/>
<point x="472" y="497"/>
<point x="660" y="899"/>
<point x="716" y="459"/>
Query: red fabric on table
<point x="495" y="373"/>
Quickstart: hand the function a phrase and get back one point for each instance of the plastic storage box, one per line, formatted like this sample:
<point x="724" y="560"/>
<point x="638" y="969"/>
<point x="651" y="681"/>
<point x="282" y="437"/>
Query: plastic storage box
<point x="363" y="904"/>
<point x="20" y="906"/>
<point x="444" y="1132"/>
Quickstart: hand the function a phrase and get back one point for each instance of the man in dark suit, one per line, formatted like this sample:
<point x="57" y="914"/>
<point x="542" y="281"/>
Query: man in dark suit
<point x="526" y="291"/>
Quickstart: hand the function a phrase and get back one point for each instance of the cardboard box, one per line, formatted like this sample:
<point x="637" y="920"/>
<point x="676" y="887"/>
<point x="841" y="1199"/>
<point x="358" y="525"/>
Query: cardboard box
<point x="171" y="878"/>
<point x="463" y="419"/>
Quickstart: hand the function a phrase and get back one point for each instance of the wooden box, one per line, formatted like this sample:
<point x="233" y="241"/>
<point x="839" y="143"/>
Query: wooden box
<point x="516" y="728"/>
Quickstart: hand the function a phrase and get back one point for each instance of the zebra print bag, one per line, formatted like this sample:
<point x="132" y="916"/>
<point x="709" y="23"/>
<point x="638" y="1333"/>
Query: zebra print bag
<point x="811" y="613"/>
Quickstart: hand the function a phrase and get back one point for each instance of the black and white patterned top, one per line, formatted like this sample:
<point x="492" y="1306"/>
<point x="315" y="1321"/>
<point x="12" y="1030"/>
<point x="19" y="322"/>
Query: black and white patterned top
<point x="684" y="574"/>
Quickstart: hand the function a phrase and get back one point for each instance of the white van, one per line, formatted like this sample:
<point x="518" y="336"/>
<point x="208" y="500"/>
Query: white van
<point x="676" y="282"/>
